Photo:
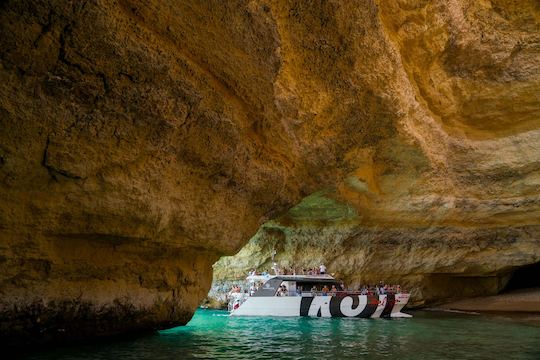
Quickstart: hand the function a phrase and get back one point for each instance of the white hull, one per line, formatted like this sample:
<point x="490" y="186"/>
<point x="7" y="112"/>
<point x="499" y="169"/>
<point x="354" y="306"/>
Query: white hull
<point x="361" y="306"/>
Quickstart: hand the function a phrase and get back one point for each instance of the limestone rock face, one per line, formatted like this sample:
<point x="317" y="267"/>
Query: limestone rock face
<point x="433" y="263"/>
<point x="140" y="141"/>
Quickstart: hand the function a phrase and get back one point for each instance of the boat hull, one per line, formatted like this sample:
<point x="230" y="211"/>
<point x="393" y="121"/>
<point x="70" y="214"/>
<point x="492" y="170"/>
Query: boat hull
<point x="352" y="306"/>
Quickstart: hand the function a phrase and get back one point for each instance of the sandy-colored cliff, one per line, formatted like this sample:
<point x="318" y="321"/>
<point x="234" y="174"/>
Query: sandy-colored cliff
<point x="140" y="141"/>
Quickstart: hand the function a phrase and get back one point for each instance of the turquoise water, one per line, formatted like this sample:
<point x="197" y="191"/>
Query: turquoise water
<point x="212" y="334"/>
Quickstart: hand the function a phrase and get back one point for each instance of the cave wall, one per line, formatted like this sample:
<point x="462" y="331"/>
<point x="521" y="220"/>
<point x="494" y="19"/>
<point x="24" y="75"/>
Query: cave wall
<point x="434" y="264"/>
<point x="141" y="141"/>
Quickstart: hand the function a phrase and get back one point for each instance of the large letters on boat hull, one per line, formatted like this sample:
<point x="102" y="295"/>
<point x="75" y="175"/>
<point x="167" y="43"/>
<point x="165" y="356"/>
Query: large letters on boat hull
<point x="342" y="305"/>
<point x="348" y="306"/>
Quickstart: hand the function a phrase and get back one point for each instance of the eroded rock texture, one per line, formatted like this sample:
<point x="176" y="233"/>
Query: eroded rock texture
<point x="140" y="141"/>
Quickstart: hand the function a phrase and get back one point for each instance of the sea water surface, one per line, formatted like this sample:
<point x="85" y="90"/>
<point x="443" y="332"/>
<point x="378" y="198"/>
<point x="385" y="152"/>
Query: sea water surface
<point x="212" y="334"/>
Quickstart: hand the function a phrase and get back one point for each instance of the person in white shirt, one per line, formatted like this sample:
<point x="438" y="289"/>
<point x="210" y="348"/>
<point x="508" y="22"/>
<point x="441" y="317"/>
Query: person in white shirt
<point x="322" y="269"/>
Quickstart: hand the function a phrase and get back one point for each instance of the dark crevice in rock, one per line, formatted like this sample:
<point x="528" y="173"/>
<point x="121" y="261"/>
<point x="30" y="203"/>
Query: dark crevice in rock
<point x="63" y="58"/>
<point x="129" y="77"/>
<point x="54" y="171"/>
<point x="45" y="29"/>
<point x="523" y="277"/>
<point x="62" y="53"/>
<point x="106" y="85"/>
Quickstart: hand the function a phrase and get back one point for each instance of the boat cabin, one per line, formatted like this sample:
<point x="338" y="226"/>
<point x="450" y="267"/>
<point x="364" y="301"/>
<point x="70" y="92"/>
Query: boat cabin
<point x="304" y="283"/>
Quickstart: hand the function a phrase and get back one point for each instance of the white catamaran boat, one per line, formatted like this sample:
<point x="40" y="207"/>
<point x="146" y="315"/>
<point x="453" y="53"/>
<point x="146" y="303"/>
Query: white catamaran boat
<point x="305" y="298"/>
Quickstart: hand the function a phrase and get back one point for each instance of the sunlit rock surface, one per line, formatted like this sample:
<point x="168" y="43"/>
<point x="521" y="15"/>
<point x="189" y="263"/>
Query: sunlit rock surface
<point x="141" y="141"/>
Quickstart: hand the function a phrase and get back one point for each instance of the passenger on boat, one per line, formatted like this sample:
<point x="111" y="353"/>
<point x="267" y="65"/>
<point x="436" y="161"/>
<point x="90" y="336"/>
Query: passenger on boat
<point x="314" y="290"/>
<point x="325" y="290"/>
<point x="333" y="290"/>
<point x="322" y="269"/>
<point x="299" y="291"/>
<point x="235" y="289"/>
<point x="364" y="290"/>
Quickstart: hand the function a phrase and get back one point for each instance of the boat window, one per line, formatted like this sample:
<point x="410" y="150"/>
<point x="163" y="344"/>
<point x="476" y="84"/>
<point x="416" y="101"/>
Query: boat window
<point x="307" y="286"/>
<point x="269" y="288"/>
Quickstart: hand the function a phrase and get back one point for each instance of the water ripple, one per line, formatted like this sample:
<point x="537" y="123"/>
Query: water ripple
<point x="429" y="335"/>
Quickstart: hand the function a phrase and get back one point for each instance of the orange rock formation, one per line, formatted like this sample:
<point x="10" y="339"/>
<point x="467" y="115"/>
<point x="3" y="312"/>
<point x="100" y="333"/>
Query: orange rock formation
<point x="141" y="141"/>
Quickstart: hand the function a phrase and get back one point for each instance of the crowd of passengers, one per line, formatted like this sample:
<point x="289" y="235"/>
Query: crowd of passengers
<point x="324" y="290"/>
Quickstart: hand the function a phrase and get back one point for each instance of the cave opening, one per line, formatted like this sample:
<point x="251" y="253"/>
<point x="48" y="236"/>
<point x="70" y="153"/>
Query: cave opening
<point x="524" y="277"/>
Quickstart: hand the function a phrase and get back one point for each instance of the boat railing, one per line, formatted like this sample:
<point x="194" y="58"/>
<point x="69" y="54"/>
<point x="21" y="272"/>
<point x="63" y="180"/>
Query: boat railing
<point x="330" y="293"/>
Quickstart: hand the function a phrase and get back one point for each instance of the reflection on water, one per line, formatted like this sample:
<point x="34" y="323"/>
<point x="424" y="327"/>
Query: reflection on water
<point x="429" y="335"/>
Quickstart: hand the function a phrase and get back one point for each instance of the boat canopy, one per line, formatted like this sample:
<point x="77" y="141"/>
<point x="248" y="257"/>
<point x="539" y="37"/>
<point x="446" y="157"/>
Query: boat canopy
<point x="307" y="278"/>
